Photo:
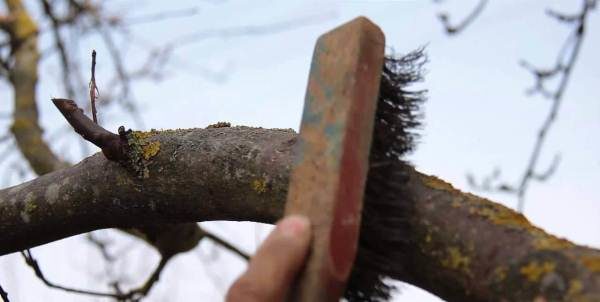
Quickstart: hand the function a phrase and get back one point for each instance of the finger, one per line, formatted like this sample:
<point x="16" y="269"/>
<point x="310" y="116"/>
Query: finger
<point x="276" y="263"/>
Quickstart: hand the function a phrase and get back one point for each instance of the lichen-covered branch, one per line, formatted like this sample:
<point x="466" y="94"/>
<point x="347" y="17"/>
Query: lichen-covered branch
<point x="460" y="247"/>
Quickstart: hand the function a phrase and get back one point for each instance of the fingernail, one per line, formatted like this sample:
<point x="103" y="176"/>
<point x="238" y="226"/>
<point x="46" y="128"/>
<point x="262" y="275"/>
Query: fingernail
<point x="293" y="226"/>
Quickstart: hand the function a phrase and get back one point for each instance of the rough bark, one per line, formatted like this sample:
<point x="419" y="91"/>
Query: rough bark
<point x="463" y="247"/>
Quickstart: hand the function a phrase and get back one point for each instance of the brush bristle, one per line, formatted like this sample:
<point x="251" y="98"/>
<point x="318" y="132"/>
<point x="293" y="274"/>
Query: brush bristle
<point x="386" y="207"/>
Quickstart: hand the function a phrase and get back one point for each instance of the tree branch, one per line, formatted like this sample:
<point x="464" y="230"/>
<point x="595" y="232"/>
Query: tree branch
<point x="3" y="294"/>
<point x="455" y="29"/>
<point x="132" y="295"/>
<point x="460" y="247"/>
<point x="565" y="62"/>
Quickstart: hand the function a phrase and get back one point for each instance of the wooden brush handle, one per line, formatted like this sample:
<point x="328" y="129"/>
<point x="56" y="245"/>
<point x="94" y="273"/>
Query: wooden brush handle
<point x="328" y="177"/>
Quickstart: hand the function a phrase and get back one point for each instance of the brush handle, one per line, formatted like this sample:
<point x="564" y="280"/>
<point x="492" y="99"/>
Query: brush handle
<point x="328" y="176"/>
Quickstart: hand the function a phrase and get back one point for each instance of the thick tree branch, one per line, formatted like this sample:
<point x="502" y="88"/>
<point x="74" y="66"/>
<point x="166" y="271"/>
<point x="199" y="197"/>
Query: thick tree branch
<point x="463" y="247"/>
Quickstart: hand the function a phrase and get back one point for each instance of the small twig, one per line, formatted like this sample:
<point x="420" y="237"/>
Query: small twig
<point x="102" y="247"/>
<point x="32" y="262"/>
<point x="3" y="294"/>
<point x="94" y="92"/>
<point x="557" y="98"/>
<point x="132" y="295"/>
<point x="455" y="29"/>
<point x="565" y="62"/>
<point x="60" y="46"/>
<point x="142" y="291"/>
<point x="112" y="145"/>
<point x="226" y="245"/>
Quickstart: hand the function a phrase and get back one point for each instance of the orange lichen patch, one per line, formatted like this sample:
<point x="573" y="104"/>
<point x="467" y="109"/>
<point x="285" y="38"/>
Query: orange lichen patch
<point x="592" y="263"/>
<point x="150" y="149"/>
<point x="436" y="183"/>
<point x="259" y="185"/>
<point x="534" y="270"/>
<point x="548" y="242"/>
<point x="455" y="259"/>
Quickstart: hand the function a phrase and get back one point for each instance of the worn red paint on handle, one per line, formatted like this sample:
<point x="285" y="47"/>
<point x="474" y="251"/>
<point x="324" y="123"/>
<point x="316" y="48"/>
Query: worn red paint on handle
<point x="328" y="177"/>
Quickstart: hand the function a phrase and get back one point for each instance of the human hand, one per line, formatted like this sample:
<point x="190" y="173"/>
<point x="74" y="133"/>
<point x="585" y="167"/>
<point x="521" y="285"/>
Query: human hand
<point x="275" y="265"/>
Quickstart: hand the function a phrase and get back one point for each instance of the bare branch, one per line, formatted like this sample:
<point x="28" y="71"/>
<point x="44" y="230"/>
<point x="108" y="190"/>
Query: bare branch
<point x="32" y="262"/>
<point x="112" y="145"/>
<point x="565" y="62"/>
<point x="226" y="245"/>
<point x="455" y="29"/>
<point x="3" y="294"/>
<point x="557" y="97"/>
<point x="101" y="245"/>
<point x="62" y="50"/>
<point x="132" y="295"/>
<point x="208" y="174"/>
<point x="93" y="88"/>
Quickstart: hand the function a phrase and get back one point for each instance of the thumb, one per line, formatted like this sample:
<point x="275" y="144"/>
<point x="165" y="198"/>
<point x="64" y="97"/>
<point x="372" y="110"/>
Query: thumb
<point x="276" y="263"/>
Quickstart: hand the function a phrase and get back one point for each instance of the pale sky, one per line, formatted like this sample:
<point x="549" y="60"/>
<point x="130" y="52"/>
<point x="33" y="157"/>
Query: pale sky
<point x="477" y="118"/>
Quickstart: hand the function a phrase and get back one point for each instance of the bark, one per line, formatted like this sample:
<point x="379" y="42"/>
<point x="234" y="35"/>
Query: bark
<point x="462" y="247"/>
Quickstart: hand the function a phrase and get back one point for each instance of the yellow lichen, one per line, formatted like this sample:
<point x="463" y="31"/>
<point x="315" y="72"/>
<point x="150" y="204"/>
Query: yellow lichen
<point x="23" y="26"/>
<point x="150" y="149"/>
<point x="549" y="242"/>
<point x="455" y="259"/>
<point x="30" y="207"/>
<point x="456" y="202"/>
<point x="592" y="263"/>
<point x="534" y="270"/>
<point x="436" y="183"/>
<point x="575" y="287"/>
<point x="259" y="185"/>
<point x="141" y="135"/>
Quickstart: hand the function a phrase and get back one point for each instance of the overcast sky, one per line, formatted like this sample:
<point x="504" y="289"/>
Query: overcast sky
<point x="477" y="117"/>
